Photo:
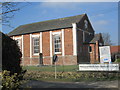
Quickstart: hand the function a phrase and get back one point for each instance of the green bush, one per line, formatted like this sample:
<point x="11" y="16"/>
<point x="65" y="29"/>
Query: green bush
<point x="10" y="82"/>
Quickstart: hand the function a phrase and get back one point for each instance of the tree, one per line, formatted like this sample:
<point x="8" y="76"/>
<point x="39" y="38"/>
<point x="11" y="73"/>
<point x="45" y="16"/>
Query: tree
<point x="12" y="72"/>
<point x="106" y="39"/>
<point x="7" y="11"/>
<point x="11" y="55"/>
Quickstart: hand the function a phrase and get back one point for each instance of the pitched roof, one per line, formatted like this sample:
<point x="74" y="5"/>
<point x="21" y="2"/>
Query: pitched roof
<point x="96" y="38"/>
<point x="46" y="25"/>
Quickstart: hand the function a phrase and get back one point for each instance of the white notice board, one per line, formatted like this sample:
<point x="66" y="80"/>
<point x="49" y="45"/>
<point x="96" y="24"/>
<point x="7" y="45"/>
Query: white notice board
<point x="105" y="55"/>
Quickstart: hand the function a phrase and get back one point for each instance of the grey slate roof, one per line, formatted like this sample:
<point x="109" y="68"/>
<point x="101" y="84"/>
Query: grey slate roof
<point x="46" y="25"/>
<point x="96" y="38"/>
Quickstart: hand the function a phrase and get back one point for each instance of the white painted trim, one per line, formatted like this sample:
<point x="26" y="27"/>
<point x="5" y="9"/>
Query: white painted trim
<point x="58" y="52"/>
<point x="36" y="54"/>
<point x="63" y="47"/>
<point x="15" y="38"/>
<point x="22" y="46"/>
<point x="50" y="43"/>
<point x="53" y="33"/>
<point x="30" y="45"/>
<point x="36" y="35"/>
<point x="23" y="50"/>
<point x="51" y="47"/>
<point x="40" y="42"/>
<point x="74" y="38"/>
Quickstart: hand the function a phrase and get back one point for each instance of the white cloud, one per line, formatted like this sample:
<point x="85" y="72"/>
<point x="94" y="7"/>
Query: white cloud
<point x="100" y="15"/>
<point x="101" y="22"/>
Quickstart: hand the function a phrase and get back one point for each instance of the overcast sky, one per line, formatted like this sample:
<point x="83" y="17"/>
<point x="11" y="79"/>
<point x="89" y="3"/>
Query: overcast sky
<point x="103" y="15"/>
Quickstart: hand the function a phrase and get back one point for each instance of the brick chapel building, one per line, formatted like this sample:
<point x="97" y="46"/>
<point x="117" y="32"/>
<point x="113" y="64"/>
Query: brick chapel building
<point x="72" y="39"/>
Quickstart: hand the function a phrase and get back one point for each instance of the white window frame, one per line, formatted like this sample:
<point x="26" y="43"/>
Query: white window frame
<point x="57" y="33"/>
<point x="19" y="38"/>
<point x="35" y="36"/>
<point x="74" y="30"/>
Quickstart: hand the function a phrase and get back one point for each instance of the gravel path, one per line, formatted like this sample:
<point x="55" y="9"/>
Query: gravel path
<point x="98" y="84"/>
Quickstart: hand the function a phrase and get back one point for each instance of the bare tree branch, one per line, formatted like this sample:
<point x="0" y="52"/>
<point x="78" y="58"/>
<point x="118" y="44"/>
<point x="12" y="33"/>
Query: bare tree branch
<point x="106" y="39"/>
<point x="9" y="11"/>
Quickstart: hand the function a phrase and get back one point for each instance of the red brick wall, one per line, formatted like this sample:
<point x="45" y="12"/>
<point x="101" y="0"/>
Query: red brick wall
<point x="26" y="45"/>
<point x="46" y="43"/>
<point x="26" y="51"/>
<point x="68" y="59"/>
<point x="114" y="49"/>
<point x="68" y="41"/>
<point x="93" y="53"/>
<point x="97" y="51"/>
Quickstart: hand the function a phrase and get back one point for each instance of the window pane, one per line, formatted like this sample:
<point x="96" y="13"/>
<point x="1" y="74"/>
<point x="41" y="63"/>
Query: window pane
<point x="57" y="43"/>
<point x="56" y="50"/>
<point x="36" y="45"/>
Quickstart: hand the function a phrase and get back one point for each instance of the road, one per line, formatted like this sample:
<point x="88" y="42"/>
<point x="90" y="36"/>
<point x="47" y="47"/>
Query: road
<point x="98" y="84"/>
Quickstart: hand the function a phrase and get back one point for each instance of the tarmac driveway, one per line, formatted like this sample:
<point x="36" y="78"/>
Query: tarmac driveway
<point x="98" y="84"/>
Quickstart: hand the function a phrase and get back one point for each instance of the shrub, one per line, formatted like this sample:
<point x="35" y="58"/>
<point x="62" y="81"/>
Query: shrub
<point x="11" y="55"/>
<point x="9" y="82"/>
<point x="75" y="76"/>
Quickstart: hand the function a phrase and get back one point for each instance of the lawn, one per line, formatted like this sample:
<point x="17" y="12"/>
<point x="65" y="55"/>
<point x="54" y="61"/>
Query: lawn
<point x="65" y="73"/>
<point x="59" y="68"/>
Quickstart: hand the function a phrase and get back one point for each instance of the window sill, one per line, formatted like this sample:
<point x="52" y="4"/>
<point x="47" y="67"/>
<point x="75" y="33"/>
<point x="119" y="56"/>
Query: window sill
<point x="58" y="53"/>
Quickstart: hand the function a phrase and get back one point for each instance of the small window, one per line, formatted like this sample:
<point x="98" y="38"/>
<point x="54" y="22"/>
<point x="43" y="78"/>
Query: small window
<point x="35" y="45"/>
<point x="89" y="49"/>
<point x="19" y="43"/>
<point x="57" y="43"/>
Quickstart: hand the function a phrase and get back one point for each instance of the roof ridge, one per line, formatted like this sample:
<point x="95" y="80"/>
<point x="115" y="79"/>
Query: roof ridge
<point x="55" y="19"/>
<point x="53" y="24"/>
